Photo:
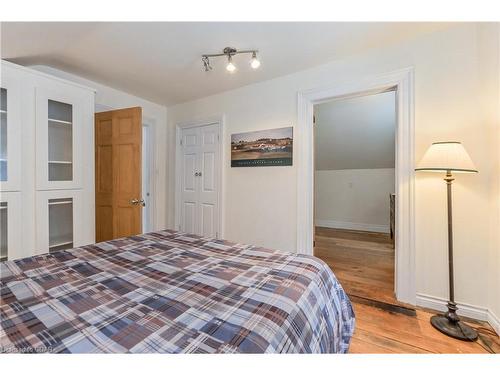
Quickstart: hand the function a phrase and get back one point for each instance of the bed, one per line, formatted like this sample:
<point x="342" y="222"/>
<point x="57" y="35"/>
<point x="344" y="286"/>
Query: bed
<point x="170" y="292"/>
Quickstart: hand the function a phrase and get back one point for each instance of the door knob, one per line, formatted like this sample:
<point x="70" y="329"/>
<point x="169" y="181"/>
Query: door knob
<point x="138" y="201"/>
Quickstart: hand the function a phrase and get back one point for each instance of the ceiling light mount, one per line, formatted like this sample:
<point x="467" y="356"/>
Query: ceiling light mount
<point x="229" y="52"/>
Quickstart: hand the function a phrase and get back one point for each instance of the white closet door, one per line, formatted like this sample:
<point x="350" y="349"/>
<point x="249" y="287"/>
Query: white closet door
<point x="199" y="174"/>
<point x="208" y="190"/>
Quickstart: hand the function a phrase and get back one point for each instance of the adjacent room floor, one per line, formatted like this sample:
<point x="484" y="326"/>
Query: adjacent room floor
<point x="364" y="264"/>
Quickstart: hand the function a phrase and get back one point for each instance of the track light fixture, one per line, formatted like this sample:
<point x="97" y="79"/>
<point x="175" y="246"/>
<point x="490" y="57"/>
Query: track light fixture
<point x="229" y="52"/>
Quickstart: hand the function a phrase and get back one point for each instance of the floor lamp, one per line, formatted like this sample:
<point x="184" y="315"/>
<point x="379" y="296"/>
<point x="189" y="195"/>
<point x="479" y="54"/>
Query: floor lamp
<point x="449" y="157"/>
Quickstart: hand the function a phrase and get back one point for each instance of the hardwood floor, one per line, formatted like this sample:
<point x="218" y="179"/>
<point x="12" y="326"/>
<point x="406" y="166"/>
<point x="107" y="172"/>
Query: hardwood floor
<point x="362" y="261"/>
<point x="364" y="264"/>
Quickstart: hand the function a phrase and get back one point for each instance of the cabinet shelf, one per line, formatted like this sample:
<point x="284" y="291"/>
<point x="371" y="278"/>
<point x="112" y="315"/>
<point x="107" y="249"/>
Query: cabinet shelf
<point x="62" y="122"/>
<point x="61" y="243"/>
<point x="53" y="203"/>
<point x="60" y="162"/>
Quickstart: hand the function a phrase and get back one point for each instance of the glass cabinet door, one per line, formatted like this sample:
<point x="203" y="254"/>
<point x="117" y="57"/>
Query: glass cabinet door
<point x="4" y="231"/>
<point x="60" y="141"/>
<point x="59" y="224"/>
<point x="10" y="226"/>
<point x="58" y="138"/>
<point x="3" y="135"/>
<point x="10" y="133"/>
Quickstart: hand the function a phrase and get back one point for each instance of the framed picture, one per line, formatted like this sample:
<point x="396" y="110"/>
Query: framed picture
<point x="263" y="148"/>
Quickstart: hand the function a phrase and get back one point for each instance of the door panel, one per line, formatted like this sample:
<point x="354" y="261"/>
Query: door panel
<point x="208" y="172"/>
<point x="189" y="215"/>
<point x="118" y="173"/>
<point x="208" y="220"/>
<point x="189" y="171"/>
<point x="199" y="180"/>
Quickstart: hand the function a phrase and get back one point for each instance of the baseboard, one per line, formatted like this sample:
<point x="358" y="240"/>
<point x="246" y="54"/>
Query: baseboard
<point x="494" y="321"/>
<point x="352" y="226"/>
<point x="464" y="309"/>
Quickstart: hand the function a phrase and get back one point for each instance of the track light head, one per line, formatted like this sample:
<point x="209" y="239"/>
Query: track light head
<point x="254" y="62"/>
<point x="206" y="63"/>
<point x="230" y="67"/>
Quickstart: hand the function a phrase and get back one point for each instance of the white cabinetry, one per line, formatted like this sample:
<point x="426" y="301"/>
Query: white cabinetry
<point x="10" y="132"/>
<point x="59" y="129"/>
<point x="47" y="163"/>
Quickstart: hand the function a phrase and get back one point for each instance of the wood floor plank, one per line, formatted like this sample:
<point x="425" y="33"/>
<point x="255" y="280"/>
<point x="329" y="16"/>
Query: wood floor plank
<point x="363" y="262"/>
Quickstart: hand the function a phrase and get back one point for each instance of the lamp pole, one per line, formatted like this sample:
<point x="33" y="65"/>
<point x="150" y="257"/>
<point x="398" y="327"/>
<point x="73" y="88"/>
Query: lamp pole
<point x="450" y="323"/>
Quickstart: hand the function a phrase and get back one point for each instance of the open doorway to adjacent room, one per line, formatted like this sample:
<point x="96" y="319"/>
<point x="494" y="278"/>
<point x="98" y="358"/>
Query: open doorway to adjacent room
<point x="354" y="192"/>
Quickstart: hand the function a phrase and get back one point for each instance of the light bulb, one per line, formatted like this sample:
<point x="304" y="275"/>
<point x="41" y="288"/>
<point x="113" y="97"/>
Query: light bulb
<point x="230" y="67"/>
<point x="254" y="62"/>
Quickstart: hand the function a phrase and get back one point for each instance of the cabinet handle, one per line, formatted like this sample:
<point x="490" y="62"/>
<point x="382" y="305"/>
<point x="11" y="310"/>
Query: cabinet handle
<point x="197" y="174"/>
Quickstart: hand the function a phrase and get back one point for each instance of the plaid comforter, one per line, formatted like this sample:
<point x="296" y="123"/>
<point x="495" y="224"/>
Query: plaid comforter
<point x="169" y="292"/>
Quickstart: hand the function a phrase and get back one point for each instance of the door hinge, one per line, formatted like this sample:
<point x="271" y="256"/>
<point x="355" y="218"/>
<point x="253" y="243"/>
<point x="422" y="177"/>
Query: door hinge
<point x="218" y="138"/>
<point x="180" y="142"/>
<point x="216" y="234"/>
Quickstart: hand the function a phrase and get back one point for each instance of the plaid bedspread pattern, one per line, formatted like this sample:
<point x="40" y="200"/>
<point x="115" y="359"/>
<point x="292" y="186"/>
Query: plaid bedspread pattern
<point x="170" y="292"/>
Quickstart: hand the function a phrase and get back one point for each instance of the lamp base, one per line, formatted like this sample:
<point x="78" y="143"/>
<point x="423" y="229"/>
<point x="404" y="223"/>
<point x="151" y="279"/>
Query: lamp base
<point x="455" y="329"/>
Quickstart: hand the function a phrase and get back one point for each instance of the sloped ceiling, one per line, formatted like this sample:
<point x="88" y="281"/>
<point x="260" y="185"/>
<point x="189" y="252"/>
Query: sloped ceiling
<point x="357" y="133"/>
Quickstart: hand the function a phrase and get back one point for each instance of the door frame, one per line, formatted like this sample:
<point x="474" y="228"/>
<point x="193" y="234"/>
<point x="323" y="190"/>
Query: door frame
<point x="403" y="81"/>
<point x="149" y="124"/>
<point x="213" y="120"/>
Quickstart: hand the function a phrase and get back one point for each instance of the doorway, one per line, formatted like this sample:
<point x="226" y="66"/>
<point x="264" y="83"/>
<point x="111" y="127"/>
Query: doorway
<point x="403" y="81"/>
<point x="198" y="178"/>
<point x="354" y="187"/>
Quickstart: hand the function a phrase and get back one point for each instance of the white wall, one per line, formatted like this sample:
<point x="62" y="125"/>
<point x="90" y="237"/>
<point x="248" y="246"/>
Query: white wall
<point x="260" y="203"/>
<point x="153" y="114"/>
<point x="353" y="198"/>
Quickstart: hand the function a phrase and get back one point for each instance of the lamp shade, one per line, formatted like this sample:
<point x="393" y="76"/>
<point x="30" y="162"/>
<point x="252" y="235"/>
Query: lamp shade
<point x="446" y="156"/>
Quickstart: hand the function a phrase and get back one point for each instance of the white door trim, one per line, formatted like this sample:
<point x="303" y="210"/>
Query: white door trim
<point x="402" y="80"/>
<point x="219" y="120"/>
<point x="150" y="152"/>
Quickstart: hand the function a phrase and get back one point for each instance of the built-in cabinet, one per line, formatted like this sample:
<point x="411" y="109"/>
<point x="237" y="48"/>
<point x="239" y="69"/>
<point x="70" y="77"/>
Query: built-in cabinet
<point x="47" y="163"/>
<point x="59" y="226"/>
<point x="59" y="129"/>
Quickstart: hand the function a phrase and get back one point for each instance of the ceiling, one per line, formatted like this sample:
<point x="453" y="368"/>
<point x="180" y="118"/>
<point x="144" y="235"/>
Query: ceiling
<point x="356" y="133"/>
<point x="161" y="61"/>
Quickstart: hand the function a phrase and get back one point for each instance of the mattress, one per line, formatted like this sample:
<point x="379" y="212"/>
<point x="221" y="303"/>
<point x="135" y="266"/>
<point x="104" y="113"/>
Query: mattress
<point x="171" y="292"/>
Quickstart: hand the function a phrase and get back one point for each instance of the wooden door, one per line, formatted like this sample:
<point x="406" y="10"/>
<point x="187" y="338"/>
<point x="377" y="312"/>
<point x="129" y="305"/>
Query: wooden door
<point x="118" y="175"/>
